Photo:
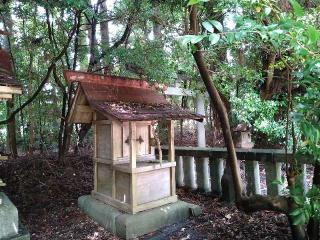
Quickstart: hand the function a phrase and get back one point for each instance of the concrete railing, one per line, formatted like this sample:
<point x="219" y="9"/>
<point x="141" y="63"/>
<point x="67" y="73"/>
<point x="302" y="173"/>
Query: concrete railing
<point x="203" y="169"/>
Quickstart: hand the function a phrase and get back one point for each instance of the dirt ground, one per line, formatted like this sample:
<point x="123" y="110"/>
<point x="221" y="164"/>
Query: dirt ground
<point x="46" y="193"/>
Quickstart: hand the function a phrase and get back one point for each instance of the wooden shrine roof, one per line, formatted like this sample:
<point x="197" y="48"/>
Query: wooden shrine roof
<point x="126" y="99"/>
<point x="6" y="75"/>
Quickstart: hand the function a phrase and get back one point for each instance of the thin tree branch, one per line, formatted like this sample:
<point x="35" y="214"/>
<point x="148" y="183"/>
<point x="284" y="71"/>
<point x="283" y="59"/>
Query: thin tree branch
<point x="45" y="79"/>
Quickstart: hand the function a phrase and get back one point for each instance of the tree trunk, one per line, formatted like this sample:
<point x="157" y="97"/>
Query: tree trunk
<point x="218" y="103"/>
<point x="30" y="112"/>
<point x="11" y="129"/>
<point x="105" y="39"/>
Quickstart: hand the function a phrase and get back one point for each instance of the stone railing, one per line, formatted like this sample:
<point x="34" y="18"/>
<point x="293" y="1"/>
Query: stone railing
<point x="203" y="168"/>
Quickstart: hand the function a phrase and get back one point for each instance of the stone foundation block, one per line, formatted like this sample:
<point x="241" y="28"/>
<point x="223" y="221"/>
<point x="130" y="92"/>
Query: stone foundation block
<point x="130" y="226"/>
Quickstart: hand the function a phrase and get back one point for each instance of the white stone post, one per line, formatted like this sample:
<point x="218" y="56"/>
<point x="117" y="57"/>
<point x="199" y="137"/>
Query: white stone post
<point x="216" y="172"/>
<point x="303" y="178"/>
<point x="202" y="164"/>
<point x="273" y="172"/>
<point x="189" y="172"/>
<point x="179" y="171"/>
<point x="252" y="172"/>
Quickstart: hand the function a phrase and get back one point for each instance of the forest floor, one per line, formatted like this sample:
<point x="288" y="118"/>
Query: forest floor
<point x="46" y="194"/>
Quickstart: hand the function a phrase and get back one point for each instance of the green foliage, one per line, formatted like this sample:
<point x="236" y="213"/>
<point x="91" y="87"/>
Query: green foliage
<point x="155" y="65"/>
<point x="307" y="113"/>
<point x="259" y="115"/>
<point x="307" y="205"/>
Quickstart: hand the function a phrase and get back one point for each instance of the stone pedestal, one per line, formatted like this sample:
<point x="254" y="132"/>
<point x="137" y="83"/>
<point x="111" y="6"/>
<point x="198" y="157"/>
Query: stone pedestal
<point x="10" y="229"/>
<point x="130" y="226"/>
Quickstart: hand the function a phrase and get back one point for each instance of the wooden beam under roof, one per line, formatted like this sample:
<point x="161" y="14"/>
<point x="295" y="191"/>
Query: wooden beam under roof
<point x="5" y="96"/>
<point x="10" y="90"/>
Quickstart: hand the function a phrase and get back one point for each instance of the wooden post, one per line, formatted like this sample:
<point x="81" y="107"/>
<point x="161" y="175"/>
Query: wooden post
<point x="95" y="154"/>
<point x="273" y="172"/>
<point x="216" y="173"/>
<point x="202" y="164"/>
<point x="171" y="155"/>
<point x="179" y="171"/>
<point x="252" y="172"/>
<point x="189" y="172"/>
<point x="133" y="165"/>
<point x="170" y="141"/>
<point x="133" y="147"/>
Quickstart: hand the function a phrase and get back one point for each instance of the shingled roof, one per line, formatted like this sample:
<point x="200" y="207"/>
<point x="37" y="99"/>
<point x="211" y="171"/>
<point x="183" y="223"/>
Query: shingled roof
<point x="126" y="99"/>
<point x="6" y="75"/>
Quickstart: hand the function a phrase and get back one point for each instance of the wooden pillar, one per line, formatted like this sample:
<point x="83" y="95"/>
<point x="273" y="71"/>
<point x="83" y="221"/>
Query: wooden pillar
<point x="171" y="155"/>
<point x="216" y="172"/>
<point x="252" y="172"/>
<point x="273" y="172"/>
<point x="133" y="147"/>
<point x="133" y="164"/>
<point x="189" y="172"/>
<point x="202" y="164"/>
<point x="179" y="171"/>
<point x="95" y="155"/>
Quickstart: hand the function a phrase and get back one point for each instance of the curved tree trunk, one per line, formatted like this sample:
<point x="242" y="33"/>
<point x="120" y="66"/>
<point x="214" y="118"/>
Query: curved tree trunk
<point x="219" y="105"/>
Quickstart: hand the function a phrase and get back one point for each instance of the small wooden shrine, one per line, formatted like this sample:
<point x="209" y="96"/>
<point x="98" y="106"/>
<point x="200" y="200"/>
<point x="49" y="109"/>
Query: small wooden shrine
<point x="8" y="83"/>
<point x="127" y="174"/>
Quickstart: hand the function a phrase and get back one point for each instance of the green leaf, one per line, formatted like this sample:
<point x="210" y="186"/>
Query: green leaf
<point x="197" y="38"/>
<point x="298" y="10"/>
<point x="191" y="39"/>
<point x="193" y="2"/>
<point x="277" y="182"/>
<point x="299" y="219"/>
<point x="214" y="38"/>
<point x="208" y="26"/>
<point x="217" y="25"/>
<point x="297" y="212"/>
<point x="267" y="11"/>
<point x="313" y="34"/>
<point x="186" y="39"/>
<point x="298" y="200"/>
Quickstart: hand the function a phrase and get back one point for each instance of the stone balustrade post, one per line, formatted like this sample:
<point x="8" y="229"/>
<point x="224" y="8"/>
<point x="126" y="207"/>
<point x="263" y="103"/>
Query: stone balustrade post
<point x="273" y="172"/>
<point x="252" y="172"/>
<point x="179" y="171"/>
<point x="216" y="172"/>
<point x="189" y="172"/>
<point x="202" y="164"/>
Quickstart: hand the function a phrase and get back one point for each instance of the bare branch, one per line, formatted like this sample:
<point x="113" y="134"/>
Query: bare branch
<point x="47" y="76"/>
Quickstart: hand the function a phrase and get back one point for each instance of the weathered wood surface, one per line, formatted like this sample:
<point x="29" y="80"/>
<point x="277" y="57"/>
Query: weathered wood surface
<point x="273" y="155"/>
<point x="10" y="90"/>
<point x="152" y="186"/>
<point x="3" y="158"/>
